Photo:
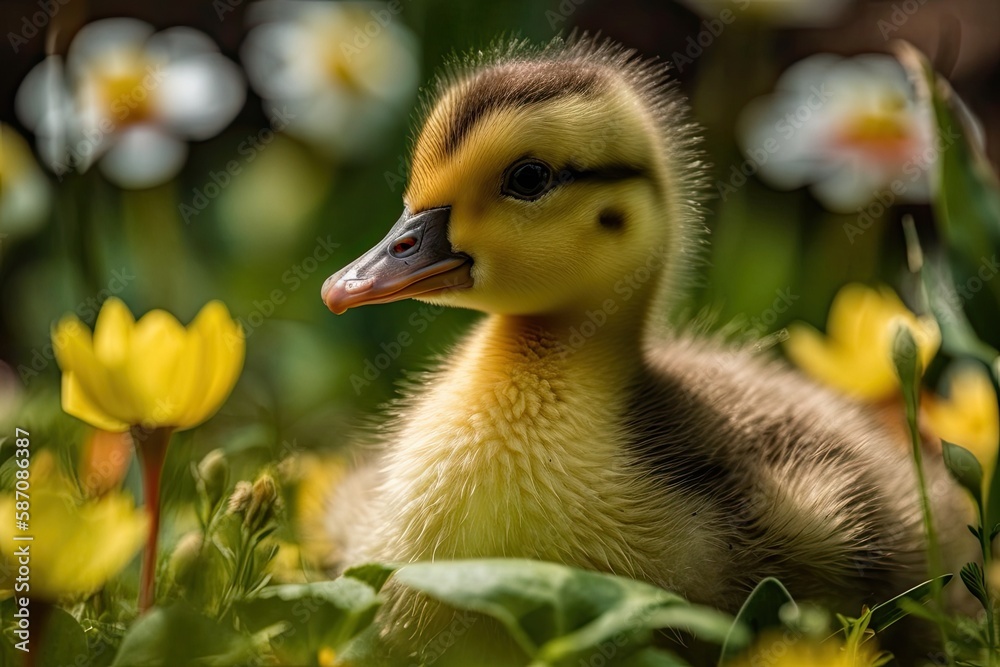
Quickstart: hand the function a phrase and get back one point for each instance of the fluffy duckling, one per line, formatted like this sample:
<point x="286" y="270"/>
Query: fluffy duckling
<point x="557" y="190"/>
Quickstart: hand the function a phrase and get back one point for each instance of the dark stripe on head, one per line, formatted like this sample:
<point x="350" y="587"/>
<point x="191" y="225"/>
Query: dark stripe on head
<point x="515" y="85"/>
<point x="602" y="174"/>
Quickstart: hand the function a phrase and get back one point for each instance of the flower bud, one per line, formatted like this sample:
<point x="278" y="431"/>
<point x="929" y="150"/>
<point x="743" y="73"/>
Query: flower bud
<point x="263" y="499"/>
<point x="213" y="476"/>
<point x="184" y="560"/>
<point x="239" y="501"/>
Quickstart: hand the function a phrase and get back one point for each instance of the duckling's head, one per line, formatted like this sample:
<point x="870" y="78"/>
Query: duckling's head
<point x="541" y="182"/>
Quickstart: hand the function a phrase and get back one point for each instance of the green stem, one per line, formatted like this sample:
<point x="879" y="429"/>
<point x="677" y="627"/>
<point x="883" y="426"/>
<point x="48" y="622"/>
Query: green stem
<point x="151" y="446"/>
<point x="933" y="550"/>
<point x="246" y="552"/>
<point x="934" y="565"/>
<point x="984" y="543"/>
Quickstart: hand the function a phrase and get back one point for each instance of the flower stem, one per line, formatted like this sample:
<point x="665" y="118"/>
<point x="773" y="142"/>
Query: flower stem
<point x="40" y="612"/>
<point x="984" y="543"/>
<point x="151" y="447"/>
<point x="933" y="549"/>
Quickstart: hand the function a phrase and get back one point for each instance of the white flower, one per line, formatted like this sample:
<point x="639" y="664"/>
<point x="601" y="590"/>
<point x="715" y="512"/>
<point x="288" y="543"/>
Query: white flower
<point x="340" y="71"/>
<point x="798" y="13"/>
<point x="131" y="99"/>
<point x="24" y="189"/>
<point x="851" y="128"/>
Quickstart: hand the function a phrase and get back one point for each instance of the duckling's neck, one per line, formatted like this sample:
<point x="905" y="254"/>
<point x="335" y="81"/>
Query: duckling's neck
<point x="517" y="448"/>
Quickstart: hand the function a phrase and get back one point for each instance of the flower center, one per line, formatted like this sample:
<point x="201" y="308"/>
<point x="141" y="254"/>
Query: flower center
<point x="886" y="133"/>
<point x="339" y="70"/>
<point x="123" y="88"/>
<point x="342" y="51"/>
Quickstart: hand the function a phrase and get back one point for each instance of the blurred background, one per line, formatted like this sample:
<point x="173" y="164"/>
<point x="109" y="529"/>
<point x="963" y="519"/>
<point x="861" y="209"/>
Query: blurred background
<point x="244" y="151"/>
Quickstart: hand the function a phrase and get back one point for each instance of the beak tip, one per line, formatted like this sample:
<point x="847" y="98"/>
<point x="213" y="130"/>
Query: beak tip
<point x="332" y="295"/>
<point x="338" y="291"/>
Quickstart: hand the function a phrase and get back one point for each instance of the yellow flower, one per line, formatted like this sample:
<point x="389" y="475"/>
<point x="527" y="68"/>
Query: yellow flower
<point x="318" y="475"/>
<point x="154" y="372"/>
<point x="855" y="356"/>
<point x="327" y="657"/>
<point x="968" y="416"/>
<point x="76" y="546"/>
<point x="791" y="650"/>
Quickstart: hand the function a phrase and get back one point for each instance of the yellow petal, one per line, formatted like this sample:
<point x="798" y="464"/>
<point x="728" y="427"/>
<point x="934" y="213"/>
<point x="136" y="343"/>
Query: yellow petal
<point x="158" y="343"/>
<point x="224" y="348"/>
<point x="112" y="340"/>
<point x="860" y="376"/>
<point x="191" y="380"/>
<point x="854" y="315"/>
<point x="112" y="333"/>
<point x="856" y="355"/>
<point x="969" y="415"/>
<point x="102" y="535"/>
<point x="68" y="337"/>
<point x="77" y="402"/>
<point x="85" y="381"/>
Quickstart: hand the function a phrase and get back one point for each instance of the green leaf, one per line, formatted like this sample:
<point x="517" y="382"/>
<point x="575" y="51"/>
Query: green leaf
<point x="885" y="614"/>
<point x="373" y="574"/>
<point x="635" y="616"/>
<point x="907" y="363"/>
<point x="559" y="614"/>
<point x="967" y="212"/>
<point x="317" y="615"/>
<point x="762" y="610"/>
<point x="975" y="581"/>
<point x="966" y="469"/>
<point x="65" y="642"/>
<point x="957" y="335"/>
<point x="967" y="202"/>
<point x="177" y="635"/>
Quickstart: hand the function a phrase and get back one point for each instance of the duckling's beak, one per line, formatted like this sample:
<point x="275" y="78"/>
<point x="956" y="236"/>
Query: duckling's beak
<point x="415" y="258"/>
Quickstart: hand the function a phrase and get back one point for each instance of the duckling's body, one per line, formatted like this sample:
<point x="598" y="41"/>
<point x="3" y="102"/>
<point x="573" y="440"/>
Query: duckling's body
<point x="569" y="426"/>
<point x="691" y="465"/>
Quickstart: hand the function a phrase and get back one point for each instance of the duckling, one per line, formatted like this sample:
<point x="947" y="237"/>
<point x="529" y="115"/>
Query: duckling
<point x="558" y="190"/>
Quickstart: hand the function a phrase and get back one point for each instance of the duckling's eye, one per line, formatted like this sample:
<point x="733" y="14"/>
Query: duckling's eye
<point x="527" y="179"/>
